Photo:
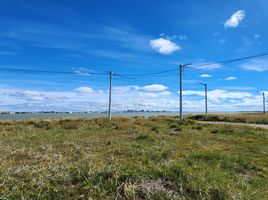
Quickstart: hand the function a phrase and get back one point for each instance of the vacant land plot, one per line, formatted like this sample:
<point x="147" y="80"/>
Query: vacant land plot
<point x="131" y="158"/>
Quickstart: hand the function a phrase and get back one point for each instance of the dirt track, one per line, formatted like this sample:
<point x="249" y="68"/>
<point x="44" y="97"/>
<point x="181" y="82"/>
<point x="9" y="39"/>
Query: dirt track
<point x="265" y="126"/>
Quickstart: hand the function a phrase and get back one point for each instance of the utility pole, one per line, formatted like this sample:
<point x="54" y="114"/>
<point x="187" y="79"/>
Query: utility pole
<point x="110" y="95"/>
<point x="181" y="69"/>
<point x="206" y="97"/>
<point x="263" y="102"/>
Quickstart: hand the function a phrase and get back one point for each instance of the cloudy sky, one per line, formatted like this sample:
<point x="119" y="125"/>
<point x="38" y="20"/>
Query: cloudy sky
<point x="132" y="37"/>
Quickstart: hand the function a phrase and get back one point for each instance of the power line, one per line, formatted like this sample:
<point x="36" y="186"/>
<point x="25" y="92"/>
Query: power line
<point x="232" y="60"/>
<point x="49" y="72"/>
<point x="132" y="79"/>
<point x="129" y="75"/>
<point x="199" y="65"/>
<point x="153" y="73"/>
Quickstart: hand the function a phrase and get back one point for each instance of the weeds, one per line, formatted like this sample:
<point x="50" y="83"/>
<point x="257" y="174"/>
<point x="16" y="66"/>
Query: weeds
<point x="131" y="158"/>
<point x="144" y="137"/>
<point x="235" y="118"/>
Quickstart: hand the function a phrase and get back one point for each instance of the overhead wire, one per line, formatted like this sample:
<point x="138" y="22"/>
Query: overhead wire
<point x="50" y="72"/>
<point x="195" y="67"/>
<point x="131" y="79"/>
<point x="200" y="65"/>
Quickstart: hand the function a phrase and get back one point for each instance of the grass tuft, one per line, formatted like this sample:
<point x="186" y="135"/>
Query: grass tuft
<point x="131" y="158"/>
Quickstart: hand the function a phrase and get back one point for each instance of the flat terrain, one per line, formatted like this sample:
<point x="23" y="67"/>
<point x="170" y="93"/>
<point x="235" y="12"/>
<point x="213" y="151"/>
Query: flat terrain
<point x="254" y="118"/>
<point x="264" y="126"/>
<point x="131" y="158"/>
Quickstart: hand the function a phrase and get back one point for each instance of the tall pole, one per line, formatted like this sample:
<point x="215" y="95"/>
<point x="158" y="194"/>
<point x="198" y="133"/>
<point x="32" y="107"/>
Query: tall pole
<point x="110" y="95"/>
<point x="181" y="117"/>
<point x="206" y="98"/>
<point x="181" y="68"/>
<point x="263" y="103"/>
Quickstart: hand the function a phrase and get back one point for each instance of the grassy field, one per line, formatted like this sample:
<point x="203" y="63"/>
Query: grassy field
<point x="257" y="118"/>
<point x="131" y="158"/>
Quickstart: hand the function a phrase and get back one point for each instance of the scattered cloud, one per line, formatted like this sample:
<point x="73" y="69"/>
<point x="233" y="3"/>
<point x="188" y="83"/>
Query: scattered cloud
<point x="256" y="65"/>
<point x="165" y="93"/>
<point x="257" y="36"/>
<point x="241" y="88"/>
<point x="147" y="88"/>
<point x="84" y="90"/>
<point x="205" y="75"/>
<point x="133" y="98"/>
<point x="28" y="95"/>
<point x="182" y="37"/>
<point x="83" y="71"/>
<point x="122" y="89"/>
<point x="217" y="96"/>
<point x="79" y="42"/>
<point x="235" y="19"/>
<point x="207" y="66"/>
<point x="164" y="46"/>
<point x="231" y="78"/>
<point x="155" y="88"/>
<point x="126" y="36"/>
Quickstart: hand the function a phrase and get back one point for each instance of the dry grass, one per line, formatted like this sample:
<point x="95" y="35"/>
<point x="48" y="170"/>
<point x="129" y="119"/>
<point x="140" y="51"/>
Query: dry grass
<point x="255" y="118"/>
<point x="131" y="158"/>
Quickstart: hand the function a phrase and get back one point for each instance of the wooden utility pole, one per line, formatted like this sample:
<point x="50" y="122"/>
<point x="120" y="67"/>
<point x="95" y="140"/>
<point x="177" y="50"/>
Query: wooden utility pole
<point x="181" y="69"/>
<point x="181" y="117"/>
<point x="206" y="97"/>
<point x="110" y="95"/>
<point x="263" y="102"/>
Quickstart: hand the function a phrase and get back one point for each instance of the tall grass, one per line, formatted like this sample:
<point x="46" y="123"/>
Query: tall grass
<point x="237" y="118"/>
<point x="131" y="158"/>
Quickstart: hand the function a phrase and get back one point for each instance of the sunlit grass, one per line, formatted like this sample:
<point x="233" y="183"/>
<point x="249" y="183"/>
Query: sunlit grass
<point x="257" y="118"/>
<point x="131" y="158"/>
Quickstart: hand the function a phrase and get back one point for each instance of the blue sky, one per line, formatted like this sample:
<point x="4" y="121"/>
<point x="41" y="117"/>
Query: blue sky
<point x="132" y="37"/>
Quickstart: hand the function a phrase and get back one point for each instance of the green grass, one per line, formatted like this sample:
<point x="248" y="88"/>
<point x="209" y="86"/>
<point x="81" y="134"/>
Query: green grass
<point x="131" y="158"/>
<point x="255" y="118"/>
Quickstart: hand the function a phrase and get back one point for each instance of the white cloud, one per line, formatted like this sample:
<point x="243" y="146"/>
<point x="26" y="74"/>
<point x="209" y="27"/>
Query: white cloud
<point x="82" y="71"/>
<point x="28" y="95"/>
<point x="235" y="19"/>
<point x="84" y="90"/>
<point x="134" y="99"/>
<point x="256" y="65"/>
<point x="147" y="88"/>
<point x="257" y="36"/>
<point x="164" y="46"/>
<point x="205" y="75"/>
<point x="238" y="88"/>
<point x="127" y="88"/>
<point x="217" y="96"/>
<point x="165" y="93"/>
<point x="154" y="88"/>
<point x="182" y="37"/>
<point x="208" y="66"/>
<point x="231" y="78"/>
<point x="193" y="92"/>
